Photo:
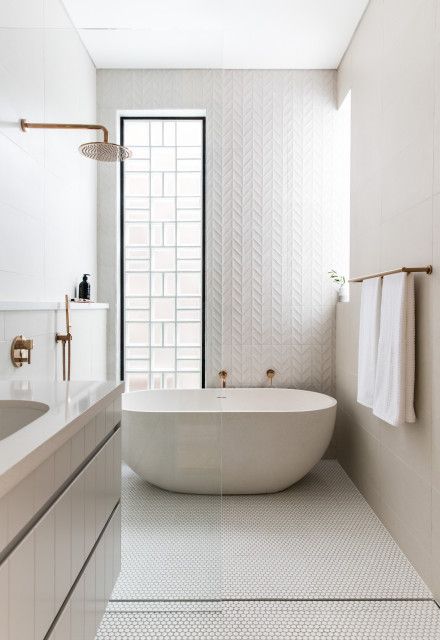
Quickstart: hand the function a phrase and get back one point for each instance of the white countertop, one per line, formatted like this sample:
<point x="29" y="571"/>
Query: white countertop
<point x="24" y="305"/>
<point x="71" y="406"/>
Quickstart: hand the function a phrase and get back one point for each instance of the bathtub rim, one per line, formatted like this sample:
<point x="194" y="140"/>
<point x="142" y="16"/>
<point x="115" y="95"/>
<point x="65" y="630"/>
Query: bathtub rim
<point x="331" y="403"/>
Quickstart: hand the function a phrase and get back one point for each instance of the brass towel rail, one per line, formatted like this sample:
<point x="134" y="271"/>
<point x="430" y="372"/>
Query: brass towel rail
<point x="381" y="274"/>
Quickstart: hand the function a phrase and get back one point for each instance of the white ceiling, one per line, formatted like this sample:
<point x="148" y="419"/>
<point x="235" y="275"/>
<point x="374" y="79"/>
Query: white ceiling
<point x="225" y="34"/>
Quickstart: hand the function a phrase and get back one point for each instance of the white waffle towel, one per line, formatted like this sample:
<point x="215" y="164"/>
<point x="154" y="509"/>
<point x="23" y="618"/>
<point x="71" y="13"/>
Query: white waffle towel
<point x="395" y="369"/>
<point x="368" y="339"/>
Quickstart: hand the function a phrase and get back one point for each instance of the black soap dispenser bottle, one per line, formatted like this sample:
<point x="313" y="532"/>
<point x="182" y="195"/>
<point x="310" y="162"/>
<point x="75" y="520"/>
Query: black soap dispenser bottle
<point x="84" y="288"/>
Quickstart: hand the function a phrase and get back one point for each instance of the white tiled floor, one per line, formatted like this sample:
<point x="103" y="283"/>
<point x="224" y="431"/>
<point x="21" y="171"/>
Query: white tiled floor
<point x="281" y="621"/>
<point x="318" y="544"/>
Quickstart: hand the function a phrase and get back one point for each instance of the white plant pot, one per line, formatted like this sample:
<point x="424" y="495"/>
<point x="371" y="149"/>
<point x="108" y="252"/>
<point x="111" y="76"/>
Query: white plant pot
<point x="343" y="293"/>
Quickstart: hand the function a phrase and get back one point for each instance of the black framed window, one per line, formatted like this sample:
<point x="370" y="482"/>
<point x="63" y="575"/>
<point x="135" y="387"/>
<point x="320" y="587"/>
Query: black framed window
<point x="162" y="252"/>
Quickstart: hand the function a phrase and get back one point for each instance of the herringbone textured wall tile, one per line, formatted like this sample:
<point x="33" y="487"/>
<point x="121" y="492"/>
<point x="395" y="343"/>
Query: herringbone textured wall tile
<point x="271" y="215"/>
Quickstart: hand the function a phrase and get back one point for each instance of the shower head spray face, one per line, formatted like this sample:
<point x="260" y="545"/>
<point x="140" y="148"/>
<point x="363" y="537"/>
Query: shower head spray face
<point x="104" y="151"/>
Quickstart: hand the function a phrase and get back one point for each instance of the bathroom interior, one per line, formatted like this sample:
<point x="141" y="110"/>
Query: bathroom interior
<point x="219" y="320"/>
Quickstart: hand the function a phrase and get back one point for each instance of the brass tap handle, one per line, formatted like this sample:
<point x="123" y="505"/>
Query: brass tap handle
<point x="20" y="344"/>
<point x="223" y="375"/>
<point x="270" y="374"/>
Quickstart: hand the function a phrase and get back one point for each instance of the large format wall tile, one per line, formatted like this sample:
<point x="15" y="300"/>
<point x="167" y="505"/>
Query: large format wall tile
<point x="47" y="190"/>
<point x="391" y="68"/>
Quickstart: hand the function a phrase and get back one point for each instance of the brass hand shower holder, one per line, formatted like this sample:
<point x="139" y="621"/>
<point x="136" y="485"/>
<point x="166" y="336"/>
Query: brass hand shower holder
<point x="66" y="338"/>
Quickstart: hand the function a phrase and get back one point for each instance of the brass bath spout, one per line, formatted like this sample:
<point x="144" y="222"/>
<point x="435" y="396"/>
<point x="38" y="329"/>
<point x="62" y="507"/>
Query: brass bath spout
<point x="270" y="374"/>
<point x="66" y="339"/>
<point x="223" y="375"/>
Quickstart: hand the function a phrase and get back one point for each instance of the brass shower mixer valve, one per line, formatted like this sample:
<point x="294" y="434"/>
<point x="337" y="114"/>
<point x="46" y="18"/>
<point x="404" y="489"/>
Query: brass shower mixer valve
<point x="20" y="344"/>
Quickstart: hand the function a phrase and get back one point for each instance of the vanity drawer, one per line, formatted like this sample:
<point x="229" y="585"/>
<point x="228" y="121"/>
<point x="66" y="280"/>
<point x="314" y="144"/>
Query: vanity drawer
<point x="31" y="496"/>
<point x="82" y="613"/>
<point x="49" y="561"/>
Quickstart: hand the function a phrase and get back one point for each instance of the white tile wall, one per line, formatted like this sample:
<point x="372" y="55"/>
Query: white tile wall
<point x="89" y="358"/>
<point x="271" y="219"/>
<point x="47" y="190"/>
<point x="392" y="70"/>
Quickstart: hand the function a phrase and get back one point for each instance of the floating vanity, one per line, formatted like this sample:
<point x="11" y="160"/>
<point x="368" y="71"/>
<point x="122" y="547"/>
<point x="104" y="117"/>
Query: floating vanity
<point x="60" y="469"/>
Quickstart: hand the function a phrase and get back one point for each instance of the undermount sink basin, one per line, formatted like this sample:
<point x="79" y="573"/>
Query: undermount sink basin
<point x="15" y="414"/>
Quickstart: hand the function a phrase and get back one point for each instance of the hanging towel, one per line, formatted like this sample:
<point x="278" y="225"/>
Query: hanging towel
<point x="395" y="369"/>
<point x="368" y="339"/>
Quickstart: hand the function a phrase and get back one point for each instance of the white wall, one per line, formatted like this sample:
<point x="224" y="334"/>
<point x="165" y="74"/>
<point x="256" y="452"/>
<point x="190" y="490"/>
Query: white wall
<point x="47" y="190"/>
<point x="271" y="219"/>
<point x="88" y="327"/>
<point x="392" y="69"/>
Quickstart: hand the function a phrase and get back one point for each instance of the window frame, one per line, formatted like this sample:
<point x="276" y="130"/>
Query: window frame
<point x="122" y="120"/>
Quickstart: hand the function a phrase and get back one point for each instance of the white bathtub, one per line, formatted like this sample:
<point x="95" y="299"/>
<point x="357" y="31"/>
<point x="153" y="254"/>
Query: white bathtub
<point x="230" y="441"/>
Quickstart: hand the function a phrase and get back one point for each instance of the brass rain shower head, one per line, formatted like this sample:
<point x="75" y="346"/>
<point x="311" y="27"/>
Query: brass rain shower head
<point x="104" y="151"/>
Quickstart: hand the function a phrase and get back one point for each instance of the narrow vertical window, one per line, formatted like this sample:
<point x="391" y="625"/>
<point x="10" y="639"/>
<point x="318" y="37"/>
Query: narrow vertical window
<point x="162" y="212"/>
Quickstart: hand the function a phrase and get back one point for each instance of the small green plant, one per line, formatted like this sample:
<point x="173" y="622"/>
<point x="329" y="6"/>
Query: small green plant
<point x="338" y="279"/>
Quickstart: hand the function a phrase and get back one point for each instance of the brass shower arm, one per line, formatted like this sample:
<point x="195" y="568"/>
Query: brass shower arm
<point x="51" y="125"/>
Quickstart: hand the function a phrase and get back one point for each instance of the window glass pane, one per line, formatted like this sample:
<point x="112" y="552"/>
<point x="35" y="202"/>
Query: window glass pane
<point x="188" y="380"/>
<point x="137" y="184"/>
<point x="189" y="133"/>
<point x="169" y="133"/>
<point x="137" y="382"/>
<point x="137" y="165"/>
<point x="169" y="184"/>
<point x="163" y="208"/>
<point x="188" y="334"/>
<point x="163" y="159"/>
<point x="163" y="259"/>
<point x="139" y="353"/>
<point x="163" y="309"/>
<point x="189" y="284"/>
<point x="137" y="333"/>
<point x="163" y="236"/>
<point x="188" y="234"/>
<point x="137" y="234"/>
<point x="137" y="203"/>
<point x="163" y="359"/>
<point x="189" y="152"/>
<point x="136" y="132"/>
<point x="156" y="181"/>
<point x="156" y="133"/>
<point x="139" y="152"/>
<point x="188" y="165"/>
<point x="137" y="284"/>
<point x="188" y="184"/>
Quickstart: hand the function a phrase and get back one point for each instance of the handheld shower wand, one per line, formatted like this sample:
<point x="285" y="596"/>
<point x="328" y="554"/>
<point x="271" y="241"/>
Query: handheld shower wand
<point x="66" y="338"/>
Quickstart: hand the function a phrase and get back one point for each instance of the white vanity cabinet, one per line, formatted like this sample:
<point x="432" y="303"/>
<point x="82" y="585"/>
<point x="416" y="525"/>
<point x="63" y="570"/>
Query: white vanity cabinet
<point x="61" y="560"/>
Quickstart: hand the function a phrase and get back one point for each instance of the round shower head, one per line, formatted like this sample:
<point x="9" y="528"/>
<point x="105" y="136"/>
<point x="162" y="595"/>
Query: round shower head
<point x="104" y="151"/>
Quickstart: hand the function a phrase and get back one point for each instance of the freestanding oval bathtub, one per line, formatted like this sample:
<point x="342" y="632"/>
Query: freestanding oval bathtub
<point x="231" y="441"/>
